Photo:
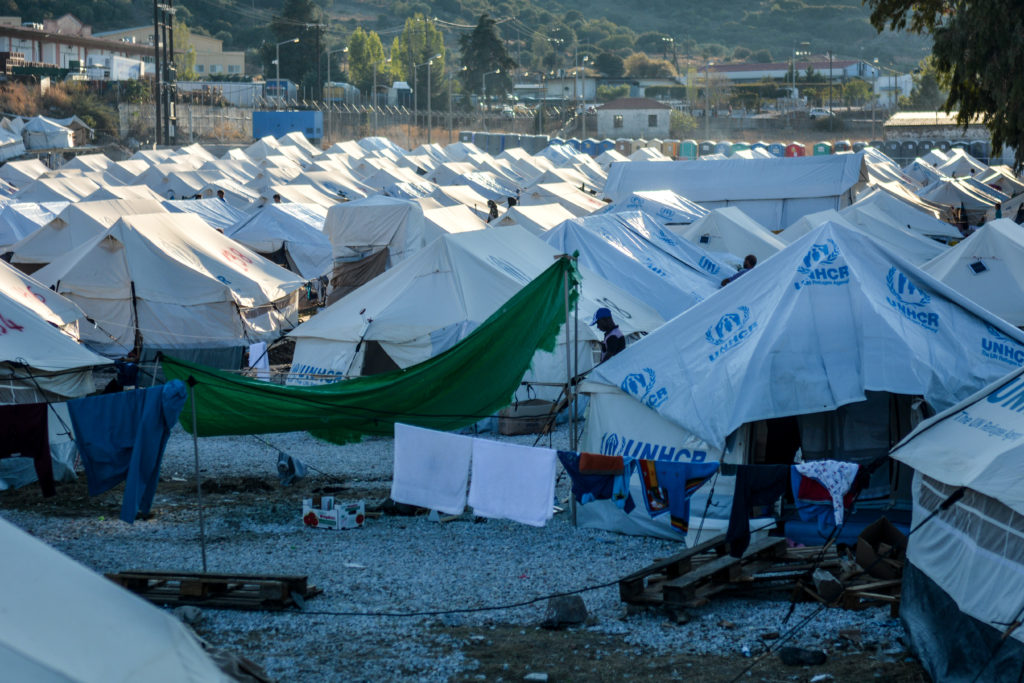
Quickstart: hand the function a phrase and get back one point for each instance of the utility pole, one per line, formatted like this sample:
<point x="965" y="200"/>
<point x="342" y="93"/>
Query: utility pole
<point x="830" y="90"/>
<point x="158" y="72"/>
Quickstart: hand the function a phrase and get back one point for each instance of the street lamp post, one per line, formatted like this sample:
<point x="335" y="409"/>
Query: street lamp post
<point x="707" y="100"/>
<point x="483" y="87"/>
<point x="830" y="90"/>
<point x="277" y="62"/>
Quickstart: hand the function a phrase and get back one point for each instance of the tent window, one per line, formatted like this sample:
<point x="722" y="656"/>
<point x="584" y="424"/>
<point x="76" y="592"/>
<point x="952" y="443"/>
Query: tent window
<point x="617" y="121"/>
<point x="705" y="238"/>
<point x="977" y="267"/>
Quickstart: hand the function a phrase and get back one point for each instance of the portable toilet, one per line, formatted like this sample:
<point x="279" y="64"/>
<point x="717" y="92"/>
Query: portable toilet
<point x="706" y="147"/>
<point x="795" y="149"/>
<point x="624" y="146"/>
<point x="639" y="143"/>
<point x="670" y="148"/>
<point x="724" y="147"/>
<point x="777" y="149"/>
<point x="908" y="151"/>
<point x="859" y="145"/>
<point x="980" y="150"/>
<point x="760" y="144"/>
<point x="654" y="143"/>
<point x="575" y="143"/>
<point x="822" y="148"/>
<point x="589" y="146"/>
<point x="943" y="145"/>
<point x="494" y="143"/>
<point x="465" y="136"/>
<point x="842" y="146"/>
<point x="960" y="144"/>
<point x="605" y="145"/>
<point x="877" y="144"/>
<point x="924" y="146"/>
<point x="688" y="149"/>
<point x="892" y="149"/>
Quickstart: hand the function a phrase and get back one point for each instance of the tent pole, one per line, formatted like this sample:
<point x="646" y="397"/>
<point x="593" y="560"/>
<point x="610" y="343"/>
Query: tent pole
<point x="568" y="383"/>
<point x="199" y="483"/>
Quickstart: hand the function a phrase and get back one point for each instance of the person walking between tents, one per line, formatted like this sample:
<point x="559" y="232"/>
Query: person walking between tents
<point x="492" y="210"/>
<point x="614" y="340"/>
<point x="749" y="262"/>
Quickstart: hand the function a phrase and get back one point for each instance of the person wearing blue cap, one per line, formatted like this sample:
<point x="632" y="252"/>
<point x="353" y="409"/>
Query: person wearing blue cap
<point x="614" y="340"/>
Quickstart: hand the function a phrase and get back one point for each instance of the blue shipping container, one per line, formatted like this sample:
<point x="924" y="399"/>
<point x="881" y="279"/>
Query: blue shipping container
<point x="278" y="123"/>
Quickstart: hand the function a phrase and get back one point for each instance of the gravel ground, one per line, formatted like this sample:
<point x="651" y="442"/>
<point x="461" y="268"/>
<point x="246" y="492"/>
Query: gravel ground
<point x="396" y="565"/>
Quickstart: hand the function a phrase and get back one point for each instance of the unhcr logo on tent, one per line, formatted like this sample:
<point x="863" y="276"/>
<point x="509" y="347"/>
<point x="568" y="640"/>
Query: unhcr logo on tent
<point x="1002" y="348"/>
<point x="635" y="201"/>
<point x="910" y="300"/>
<point x="642" y="386"/>
<point x="730" y="331"/>
<point x="666" y="212"/>
<point x="614" y="444"/>
<point x="708" y="265"/>
<point x="818" y="267"/>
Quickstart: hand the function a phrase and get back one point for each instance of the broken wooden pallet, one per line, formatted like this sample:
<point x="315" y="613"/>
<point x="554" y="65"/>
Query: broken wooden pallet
<point x="219" y="591"/>
<point x="699" y="571"/>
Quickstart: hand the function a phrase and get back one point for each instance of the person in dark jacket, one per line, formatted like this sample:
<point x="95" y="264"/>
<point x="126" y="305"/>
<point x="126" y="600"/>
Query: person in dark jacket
<point x="614" y="340"/>
<point x="749" y="262"/>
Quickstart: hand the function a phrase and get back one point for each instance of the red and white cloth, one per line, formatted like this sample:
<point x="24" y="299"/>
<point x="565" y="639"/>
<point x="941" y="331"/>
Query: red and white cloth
<point x="837" y="478"/>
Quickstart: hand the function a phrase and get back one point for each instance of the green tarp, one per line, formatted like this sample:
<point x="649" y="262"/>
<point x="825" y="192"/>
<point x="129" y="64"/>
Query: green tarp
<point x="473" y="379"/>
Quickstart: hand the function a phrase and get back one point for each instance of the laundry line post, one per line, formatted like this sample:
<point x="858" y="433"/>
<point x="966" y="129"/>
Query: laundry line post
<point x="568" y="373"/>
<point x="199" y="482"/>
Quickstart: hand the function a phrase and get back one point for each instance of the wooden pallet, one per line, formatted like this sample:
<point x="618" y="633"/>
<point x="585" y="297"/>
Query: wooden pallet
<point x="219" y="591"/>
<point x="701" y="571"/>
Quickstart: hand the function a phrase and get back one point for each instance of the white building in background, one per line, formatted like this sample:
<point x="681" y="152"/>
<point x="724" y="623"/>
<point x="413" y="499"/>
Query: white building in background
<point x="633" y="117"/>
<point x="211" y="59"/>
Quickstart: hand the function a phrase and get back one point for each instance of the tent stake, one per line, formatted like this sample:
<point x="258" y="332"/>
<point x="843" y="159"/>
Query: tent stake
<point x="199" y="482"/>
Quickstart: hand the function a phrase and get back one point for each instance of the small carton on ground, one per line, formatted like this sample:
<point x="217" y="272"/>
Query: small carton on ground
<point x="881" y="550"/>
<point x="321" y="512"/>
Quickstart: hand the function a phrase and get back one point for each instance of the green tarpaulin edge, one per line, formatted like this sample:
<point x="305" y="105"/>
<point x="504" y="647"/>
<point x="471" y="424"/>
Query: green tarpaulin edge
<point x="468" y="382"/>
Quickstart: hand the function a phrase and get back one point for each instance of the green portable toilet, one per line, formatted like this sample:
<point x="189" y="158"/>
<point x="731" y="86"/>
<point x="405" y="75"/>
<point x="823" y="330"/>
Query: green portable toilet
<point x="688" y="149"/>
<point x="822" y="148"/>
<point x="738" y="147"/>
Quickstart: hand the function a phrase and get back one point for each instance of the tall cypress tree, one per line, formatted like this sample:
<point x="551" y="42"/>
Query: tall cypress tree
<point x="483" y="52"/>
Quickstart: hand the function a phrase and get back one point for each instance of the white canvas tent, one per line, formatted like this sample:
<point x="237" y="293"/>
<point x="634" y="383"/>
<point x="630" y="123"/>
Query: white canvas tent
<point x="665" y="206"/>
<point x="831" y="317"/>
<point x="11" y="145"/>
<point x="607" y="246"/>
<point x="215" y="213"/>
<point x="568" y="195"/>
<point x="20" y="219"/>
<point x="774" y="192"/>
<point x="73" y="227"/>
<point x="43" y="133"/>
<point x="987" y="268"/>
<point x="731" y="231"/>
<point x="290" y="235"/>
<point x="87" y="629"/>
<point x="21" y="173"/>
<point x="535" y="218"/>
<point x="427" y="303"/>
<point x="168" y="281"/>
<point x="69" y="189"/>
<point x="38" y="361"/>
<point x="882" y="206"/>
<point x="964" y="577"/>
<point x="363" y="227"/>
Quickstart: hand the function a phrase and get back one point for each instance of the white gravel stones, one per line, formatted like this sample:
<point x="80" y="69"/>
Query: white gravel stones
<point x="401" y="565"/>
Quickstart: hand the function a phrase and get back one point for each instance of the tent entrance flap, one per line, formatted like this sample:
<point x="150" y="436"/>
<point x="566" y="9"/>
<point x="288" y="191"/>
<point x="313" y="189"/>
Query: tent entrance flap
<point x="472" y="380"/>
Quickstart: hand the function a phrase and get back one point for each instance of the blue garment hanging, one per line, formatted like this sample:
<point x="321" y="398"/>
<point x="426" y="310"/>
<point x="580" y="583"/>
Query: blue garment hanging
<point x="122" y="437"/>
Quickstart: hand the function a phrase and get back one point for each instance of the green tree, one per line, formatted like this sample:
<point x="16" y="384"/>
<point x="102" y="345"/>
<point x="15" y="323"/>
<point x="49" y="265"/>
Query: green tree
<point x="419" y="43"/>
<point x="760" y="57"/>
<point x="185" y="60"/>
<point x="610" y="65"/>
<point x="741" y="54"/>
<point x="929" y="92"/>
<point x="856" y="92"/>
<point x="976" y="52"/>
<point x="304" y="20"/>
<point x="483" y="52"/>
<point x="607" y="93"/>
<point x="680" y="124"/>
<point x="639" y="65"/>
<point x="653" y="43"/>
<point x="364" y="51"/>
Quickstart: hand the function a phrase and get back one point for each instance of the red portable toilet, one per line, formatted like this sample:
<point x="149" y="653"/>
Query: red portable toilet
<point x="795" y="149"/>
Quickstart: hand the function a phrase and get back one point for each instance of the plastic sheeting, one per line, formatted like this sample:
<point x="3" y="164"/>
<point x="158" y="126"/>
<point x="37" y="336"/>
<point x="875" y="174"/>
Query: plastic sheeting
<point x="813" y="328"/>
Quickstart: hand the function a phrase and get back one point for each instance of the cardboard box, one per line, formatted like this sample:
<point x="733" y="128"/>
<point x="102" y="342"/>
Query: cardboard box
<point x="525" y="417"/>
<point x="882" y="549"/>
<point x="322" y="513"/>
